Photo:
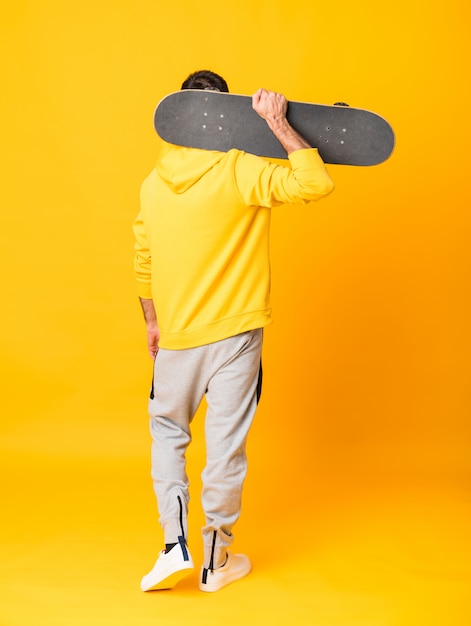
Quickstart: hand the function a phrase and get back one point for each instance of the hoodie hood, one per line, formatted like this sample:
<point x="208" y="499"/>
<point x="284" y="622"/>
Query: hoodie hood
<point x="180" y="168"/>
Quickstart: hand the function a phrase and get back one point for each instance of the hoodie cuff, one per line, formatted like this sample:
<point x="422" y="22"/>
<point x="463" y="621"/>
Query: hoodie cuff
<point x="144" y="290"/>
<point x="306" y="156"/>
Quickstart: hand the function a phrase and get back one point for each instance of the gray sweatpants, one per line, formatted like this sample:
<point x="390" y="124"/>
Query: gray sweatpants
<point x="229" y="373"/>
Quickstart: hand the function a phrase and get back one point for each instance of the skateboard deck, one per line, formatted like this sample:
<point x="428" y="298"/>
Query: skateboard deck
<point x="213" y="120"/>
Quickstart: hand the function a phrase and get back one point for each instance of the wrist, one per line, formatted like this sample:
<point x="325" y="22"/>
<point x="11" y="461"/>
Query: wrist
<point x="278" y="125"/>
<point x="150" y="316"/>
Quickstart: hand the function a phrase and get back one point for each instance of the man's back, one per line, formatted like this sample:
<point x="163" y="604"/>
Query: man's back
<point x="205" y="217"/>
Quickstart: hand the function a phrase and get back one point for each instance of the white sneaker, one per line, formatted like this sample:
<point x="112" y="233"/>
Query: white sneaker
<point x="169" y="568"/>
<point x="237" y="566"/>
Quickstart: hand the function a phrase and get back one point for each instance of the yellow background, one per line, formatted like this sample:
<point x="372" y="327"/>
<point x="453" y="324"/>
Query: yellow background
<point x="357" y="509"/>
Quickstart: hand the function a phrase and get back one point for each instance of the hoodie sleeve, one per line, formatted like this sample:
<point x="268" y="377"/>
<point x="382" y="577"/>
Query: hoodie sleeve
<point x="142" y="259"/>
<point x="261" y="183"/>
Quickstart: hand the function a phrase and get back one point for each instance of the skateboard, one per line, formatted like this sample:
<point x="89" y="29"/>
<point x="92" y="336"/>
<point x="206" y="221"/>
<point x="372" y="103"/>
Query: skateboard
<point x="213" y="120"/>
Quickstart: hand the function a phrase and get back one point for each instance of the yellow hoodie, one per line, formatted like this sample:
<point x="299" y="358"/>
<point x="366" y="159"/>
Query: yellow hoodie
<point x="201" y="251"/>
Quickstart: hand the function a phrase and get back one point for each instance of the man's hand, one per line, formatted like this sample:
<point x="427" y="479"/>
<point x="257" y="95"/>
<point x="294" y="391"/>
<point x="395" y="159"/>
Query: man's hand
<point x="153" y="336"/>
<point x="272" y="107"/>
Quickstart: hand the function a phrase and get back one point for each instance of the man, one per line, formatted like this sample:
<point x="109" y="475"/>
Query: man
<point x="202" y="269"/>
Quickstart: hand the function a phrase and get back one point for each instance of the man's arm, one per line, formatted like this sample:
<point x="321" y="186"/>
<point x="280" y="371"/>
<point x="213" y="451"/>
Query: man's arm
<point x="153" y="333"/>
<point x="272" y="108"/>
<point x="143" y="271"/>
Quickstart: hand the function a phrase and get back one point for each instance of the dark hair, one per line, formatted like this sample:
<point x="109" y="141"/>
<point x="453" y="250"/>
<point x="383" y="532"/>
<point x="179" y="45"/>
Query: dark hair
<point x="204" y="79"/>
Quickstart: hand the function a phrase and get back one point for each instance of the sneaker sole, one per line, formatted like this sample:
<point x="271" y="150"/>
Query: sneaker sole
<point x="170" y="581"/>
